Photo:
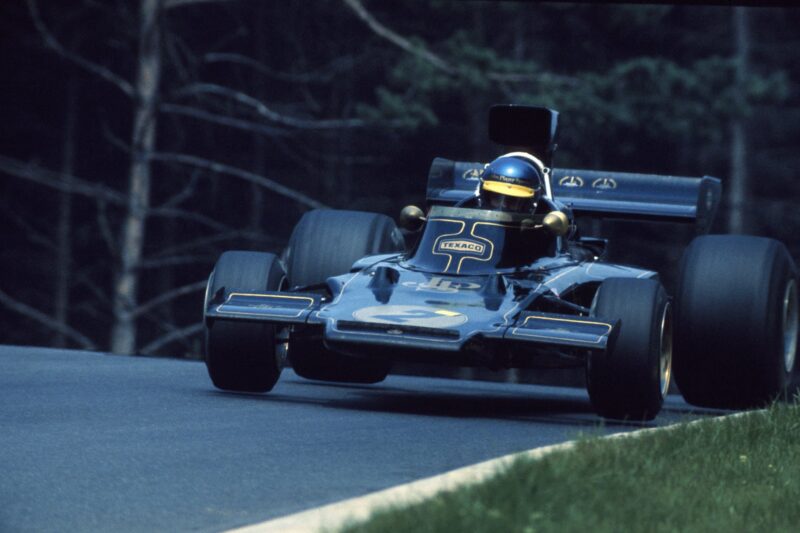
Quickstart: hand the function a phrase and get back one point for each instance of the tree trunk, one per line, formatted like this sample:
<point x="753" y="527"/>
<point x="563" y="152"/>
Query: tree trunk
<point x="259" y="145"/>
<point x="474" y="102"/>
<point x="123" y="335"/>
<point x="737" y="219"/>
<point x="64" y="230"/>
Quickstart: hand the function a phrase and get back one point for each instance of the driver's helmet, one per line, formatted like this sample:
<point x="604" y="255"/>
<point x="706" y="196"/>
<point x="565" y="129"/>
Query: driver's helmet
<point x="511" y="183"/>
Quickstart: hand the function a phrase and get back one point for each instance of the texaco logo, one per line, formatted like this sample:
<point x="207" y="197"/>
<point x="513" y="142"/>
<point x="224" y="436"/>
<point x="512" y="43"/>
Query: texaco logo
<point x="463" y="246"/>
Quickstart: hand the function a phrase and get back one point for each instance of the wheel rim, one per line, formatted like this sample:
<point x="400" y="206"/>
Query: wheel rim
<point x="665" y="352"/>
<point x="790" y="325"/>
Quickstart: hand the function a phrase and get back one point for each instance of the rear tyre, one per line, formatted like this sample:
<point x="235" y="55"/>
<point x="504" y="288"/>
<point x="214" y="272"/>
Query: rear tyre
<point x="326" y="243"/>
<point x="631" y="379"/>
<point x="736" y="322"/>
<point x="243" y="356"/>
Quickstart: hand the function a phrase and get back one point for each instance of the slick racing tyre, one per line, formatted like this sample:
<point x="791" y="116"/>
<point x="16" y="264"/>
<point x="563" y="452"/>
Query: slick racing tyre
<point x="326" y="243"/>
<point x="631" y="379"/>
<point x="243" y="356"/>
<point x="736" y="322"/>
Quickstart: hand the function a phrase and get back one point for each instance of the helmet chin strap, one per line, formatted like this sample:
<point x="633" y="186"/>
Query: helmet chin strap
<point x="544" y="170"/>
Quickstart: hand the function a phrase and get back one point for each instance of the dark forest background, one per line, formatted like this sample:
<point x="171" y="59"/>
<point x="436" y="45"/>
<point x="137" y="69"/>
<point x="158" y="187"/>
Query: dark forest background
<point x="139" y="140"/>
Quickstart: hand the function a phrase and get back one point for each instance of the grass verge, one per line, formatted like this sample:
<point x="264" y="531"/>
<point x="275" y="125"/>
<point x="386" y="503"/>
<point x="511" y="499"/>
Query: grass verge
<point x="737" y="474"/>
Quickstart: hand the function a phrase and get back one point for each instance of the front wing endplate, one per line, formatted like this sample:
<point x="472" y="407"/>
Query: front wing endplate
<point x="269" y="307"/>
<point x="563" y="330"/>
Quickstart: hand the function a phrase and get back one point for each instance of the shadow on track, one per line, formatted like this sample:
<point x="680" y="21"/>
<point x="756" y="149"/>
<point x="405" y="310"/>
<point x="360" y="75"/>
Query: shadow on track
<point x="456" y="399"/>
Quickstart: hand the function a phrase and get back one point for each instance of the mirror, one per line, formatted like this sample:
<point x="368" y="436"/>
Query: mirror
<point x="411" y="218"/>
<point x="556" y="223"/>
<point x="529" y="128"/>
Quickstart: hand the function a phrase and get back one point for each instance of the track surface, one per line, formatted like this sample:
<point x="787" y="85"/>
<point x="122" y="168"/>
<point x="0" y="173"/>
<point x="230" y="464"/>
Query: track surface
<point x="94" y="442"/>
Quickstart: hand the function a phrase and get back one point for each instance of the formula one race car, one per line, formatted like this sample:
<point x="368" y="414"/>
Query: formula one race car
<point x="471" y="282"/>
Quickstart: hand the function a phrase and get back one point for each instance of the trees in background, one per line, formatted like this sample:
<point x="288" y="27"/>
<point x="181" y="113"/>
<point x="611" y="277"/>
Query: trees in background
<point x="146" y="137"/>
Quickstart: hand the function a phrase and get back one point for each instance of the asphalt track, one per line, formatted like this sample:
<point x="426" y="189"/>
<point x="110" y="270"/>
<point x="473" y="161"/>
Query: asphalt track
<point x="94" y="442"/>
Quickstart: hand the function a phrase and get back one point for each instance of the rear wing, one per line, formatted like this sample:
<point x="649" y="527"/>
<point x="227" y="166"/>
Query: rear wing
<point x="597" y="193"/>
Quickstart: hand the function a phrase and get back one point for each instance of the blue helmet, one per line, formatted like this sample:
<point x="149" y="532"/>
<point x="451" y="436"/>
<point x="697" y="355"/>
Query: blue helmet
<point x="511" y="183"/>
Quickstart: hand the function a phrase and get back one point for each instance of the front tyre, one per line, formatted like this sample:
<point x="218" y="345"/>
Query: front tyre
<point x="631" y="379"/>
<point x="736" y="322"/>
<point x="243" y="356"/>
<point x="325" y="243"/>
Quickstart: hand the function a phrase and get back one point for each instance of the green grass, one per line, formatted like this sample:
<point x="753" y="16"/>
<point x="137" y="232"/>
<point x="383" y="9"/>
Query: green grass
<point x="738" y="474"/>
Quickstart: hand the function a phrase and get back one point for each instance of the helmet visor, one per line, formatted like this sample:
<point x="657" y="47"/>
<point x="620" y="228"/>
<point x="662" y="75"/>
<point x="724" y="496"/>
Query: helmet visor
<point x="502" y="202"/>
<point x="508" y="189"/>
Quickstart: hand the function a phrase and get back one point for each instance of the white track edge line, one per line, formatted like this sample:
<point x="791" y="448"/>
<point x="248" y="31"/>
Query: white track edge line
<point x="334" y="516"/>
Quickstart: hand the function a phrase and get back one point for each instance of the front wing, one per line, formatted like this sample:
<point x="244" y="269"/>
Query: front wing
<point x="543" y="329"/>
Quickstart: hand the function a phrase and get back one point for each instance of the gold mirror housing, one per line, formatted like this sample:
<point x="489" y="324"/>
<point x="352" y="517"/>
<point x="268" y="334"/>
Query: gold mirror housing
<point x="411" y="218"/>
<point x="557" y="223"/>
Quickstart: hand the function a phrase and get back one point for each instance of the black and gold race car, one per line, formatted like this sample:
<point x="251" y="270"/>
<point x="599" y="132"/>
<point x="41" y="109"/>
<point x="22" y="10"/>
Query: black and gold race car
<point x="465" y="285"/>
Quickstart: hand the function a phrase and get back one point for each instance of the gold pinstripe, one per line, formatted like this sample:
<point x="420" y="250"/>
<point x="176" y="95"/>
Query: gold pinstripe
<point x="288" y="297"/>
<point x="588" y="322"/>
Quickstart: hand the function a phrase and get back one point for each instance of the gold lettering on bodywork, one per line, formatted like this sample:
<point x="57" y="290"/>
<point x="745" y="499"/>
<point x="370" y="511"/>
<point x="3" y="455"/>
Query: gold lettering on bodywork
<point x="463" y="246"/>
<point x="572" y="182"/>
<point x="472" y="174"/>
<point x="604" y="183"/>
